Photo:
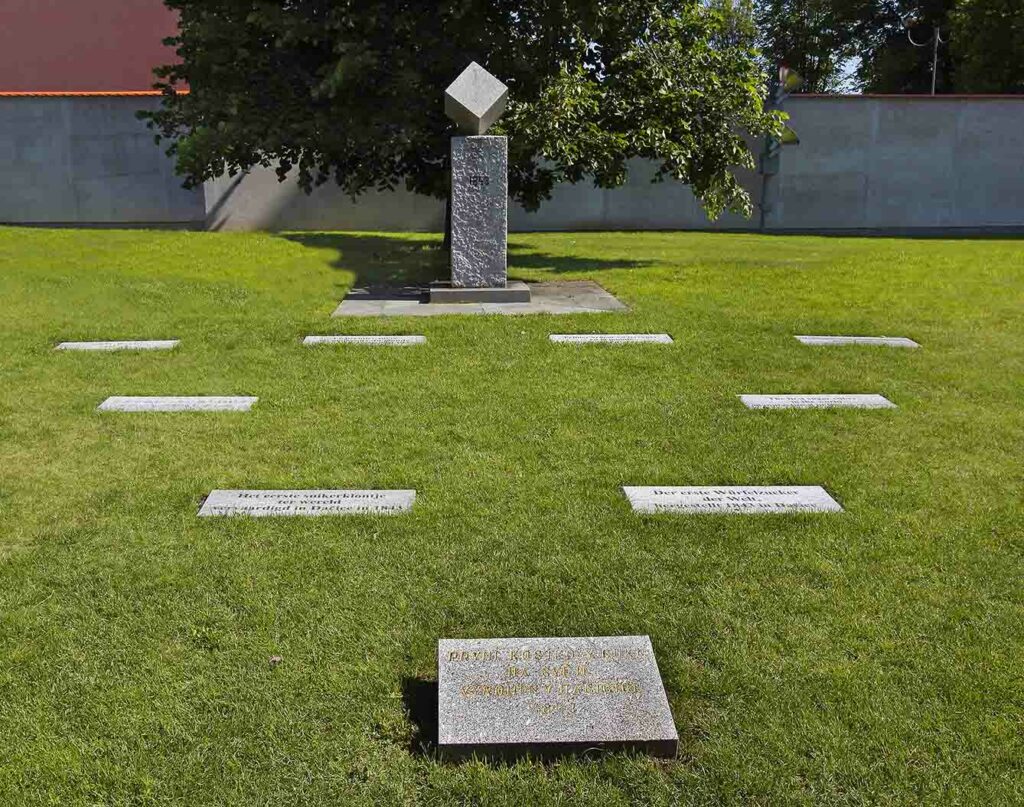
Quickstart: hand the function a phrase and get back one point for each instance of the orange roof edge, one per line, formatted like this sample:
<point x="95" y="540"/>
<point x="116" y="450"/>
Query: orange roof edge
<point x="84" y="94"/>
<point x="914" y="96"/>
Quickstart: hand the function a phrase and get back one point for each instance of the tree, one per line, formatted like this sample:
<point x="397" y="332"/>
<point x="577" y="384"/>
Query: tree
<point x="889" y="62"/>
<point x="986" y="40"/>
<point x="352" y="90"/>
<point x="982" y="48"/>
<point x="816" y="38"/>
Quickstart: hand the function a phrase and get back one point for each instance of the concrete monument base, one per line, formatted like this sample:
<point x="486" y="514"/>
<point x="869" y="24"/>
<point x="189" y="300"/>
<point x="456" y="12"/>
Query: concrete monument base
<point x="557" y="297"/>
<point x="514" y="291"/>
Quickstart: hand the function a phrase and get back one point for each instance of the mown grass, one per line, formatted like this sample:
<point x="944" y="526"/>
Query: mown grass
<point x="869" y="656"/>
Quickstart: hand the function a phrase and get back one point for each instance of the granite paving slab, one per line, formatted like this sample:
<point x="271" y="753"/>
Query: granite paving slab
<point x="259" y="503"/>
<point x="858" y="401"/>
<point x="178" y="403"/>
<point x="611" y="338"/>
<point x="127" y="344"/>
<point x="557" y="297"/>
<point x="397" y="340"/>
<point x="888" y="341"/>
<point x="550" y="696"/>
<point x="731" y="499"/>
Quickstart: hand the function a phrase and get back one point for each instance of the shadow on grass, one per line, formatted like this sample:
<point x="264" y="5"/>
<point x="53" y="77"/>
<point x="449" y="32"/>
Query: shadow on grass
<point x="381" y="262"/>
<point x="420" y="699"/>
<point x="525" y="256"/>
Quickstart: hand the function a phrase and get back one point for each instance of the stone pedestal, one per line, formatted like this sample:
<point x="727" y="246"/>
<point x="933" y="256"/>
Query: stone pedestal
<point x="479" y="212"/>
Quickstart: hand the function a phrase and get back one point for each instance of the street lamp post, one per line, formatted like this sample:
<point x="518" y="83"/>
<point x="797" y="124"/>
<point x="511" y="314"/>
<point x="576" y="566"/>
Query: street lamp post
<point x="936" y="39"/>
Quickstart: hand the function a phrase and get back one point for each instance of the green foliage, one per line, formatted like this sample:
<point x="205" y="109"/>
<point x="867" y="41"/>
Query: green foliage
<point x="353" y="91"/>
<point x="889" y="62"/>
<point x="982" y="48"/>
<point x="987" y="43"/>
<point x="813" y="37"/>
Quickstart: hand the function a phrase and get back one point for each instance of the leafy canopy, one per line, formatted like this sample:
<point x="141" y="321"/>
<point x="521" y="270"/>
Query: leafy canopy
<point x="353" y="90"/>
<point x="982" y="48"/>
<point x="986" y="40"/>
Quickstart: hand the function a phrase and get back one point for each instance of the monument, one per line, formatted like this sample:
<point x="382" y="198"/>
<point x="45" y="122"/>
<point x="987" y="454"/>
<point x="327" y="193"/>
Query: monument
<point x="479" y="195"/>
<point x="551" y="696"/>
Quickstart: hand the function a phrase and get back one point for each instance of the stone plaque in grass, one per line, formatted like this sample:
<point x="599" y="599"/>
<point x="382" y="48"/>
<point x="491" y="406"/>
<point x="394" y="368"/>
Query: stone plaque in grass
<point x="732" y="499"/>
<point x="178" y="403"/>
<point x="306" y="502"/>
<point x="886" y="341"/>
<point x="128" y="344"/>
<point x="551" y="696"/>
<point x="397" y="340"/>
<point x="817" y="402"/>
<point x="611" y="338"/>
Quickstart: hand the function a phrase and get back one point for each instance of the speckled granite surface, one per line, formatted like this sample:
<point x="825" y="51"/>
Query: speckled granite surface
<point x="479" y="211"/>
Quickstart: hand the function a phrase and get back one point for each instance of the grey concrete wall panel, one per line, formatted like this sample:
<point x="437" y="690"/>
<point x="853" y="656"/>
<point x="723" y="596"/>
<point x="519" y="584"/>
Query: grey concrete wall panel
<point x="880" y="163"/>
<point x="909" y="165"/>
<point x="989" y="176"/>
<point x="87" y="160"/>
<point x="257" y="201"/>
<point x="35" y="175"/>
<point x="638" y="205"/>
<point x="825" y="173"/>
<point x="902" y="164"/>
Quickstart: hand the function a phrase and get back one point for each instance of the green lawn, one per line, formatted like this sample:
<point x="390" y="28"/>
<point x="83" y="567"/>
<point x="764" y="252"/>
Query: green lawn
<point x="871" y="656"/>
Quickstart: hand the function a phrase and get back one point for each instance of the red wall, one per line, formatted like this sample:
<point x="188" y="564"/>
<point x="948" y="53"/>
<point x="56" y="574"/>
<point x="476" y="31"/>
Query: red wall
<point x="82" y="45"/>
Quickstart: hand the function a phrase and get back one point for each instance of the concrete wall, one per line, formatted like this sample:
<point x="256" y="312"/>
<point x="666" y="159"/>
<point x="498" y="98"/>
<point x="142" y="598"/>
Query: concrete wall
<point x="901" y="163"/>
<point x="637" y="205"/>
<point x="256" y="201"/>
<point x="863" y="163"/>
<point x="73" y="160"/>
